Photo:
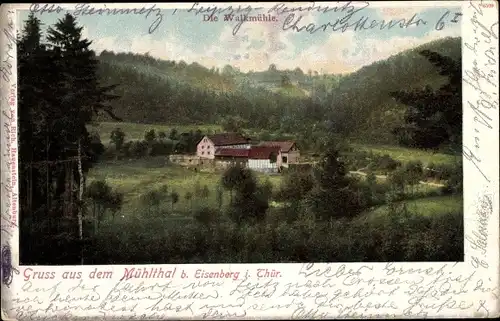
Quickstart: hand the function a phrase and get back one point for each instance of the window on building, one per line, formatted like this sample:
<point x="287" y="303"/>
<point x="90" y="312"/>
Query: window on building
<point x="284" y="159"/>
<point x="203" y="147"/>
<point x="203" y="153"/>
<point x="208" y="153"/>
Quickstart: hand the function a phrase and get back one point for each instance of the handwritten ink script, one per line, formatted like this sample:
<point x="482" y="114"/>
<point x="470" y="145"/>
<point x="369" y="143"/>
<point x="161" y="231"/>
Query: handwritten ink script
<point x="8" y="145"/>
<point x="345" y="15"/>
<point x="8" y="32"/>
<point x="304" y="291"/>
<point x="7" y="269"/>
<point x="482" y="76"/>
<point x="478" y="238"/>
<point x="9" y="128"/>
<point x="87" y="9"/>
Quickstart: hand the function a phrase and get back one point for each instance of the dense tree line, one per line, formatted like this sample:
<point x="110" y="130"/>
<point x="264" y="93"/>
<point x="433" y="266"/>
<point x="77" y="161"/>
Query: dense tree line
<point x="363" y="107"/>
<point x="358" y="105"/>
<point x="156" y="94"/>
<point x="154" y="143"/>
<point x="246" y="229"/>
<point x="59" y="94"/>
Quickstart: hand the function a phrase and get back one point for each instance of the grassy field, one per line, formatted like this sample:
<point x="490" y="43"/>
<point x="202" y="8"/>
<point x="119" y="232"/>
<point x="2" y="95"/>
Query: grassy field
<point x="136" y="131"/>
<point x="137" y="177"/>
<point x="134" y="178"/>
<point x="408" y="154"/>
<point x="425" y="206"/>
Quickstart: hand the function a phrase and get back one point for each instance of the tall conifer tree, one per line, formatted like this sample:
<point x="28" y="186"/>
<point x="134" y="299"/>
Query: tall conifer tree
<point x="59" y="94"/>
<point x="434" y="117"/>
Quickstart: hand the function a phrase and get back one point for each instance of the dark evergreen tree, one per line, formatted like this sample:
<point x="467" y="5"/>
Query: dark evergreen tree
<point x="59" y="93"/>
<point x="333" y="195"/>
<point x="434" y="117"/>
<point x="29" y="51"/>
<point x="249" y="203"/>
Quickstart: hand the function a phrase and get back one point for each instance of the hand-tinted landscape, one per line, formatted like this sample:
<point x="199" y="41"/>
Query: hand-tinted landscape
<point x="360" y="166"/>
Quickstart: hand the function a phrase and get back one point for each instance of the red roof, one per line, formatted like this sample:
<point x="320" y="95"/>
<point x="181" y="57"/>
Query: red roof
<point x="225" y="139"/>
<point x="232" y="152"/>
<point x="263" y="152"/>
<point x="285" y="146"/>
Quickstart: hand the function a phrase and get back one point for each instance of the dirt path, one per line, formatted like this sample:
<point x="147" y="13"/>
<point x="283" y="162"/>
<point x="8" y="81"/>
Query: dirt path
<point x="385" y="177"/>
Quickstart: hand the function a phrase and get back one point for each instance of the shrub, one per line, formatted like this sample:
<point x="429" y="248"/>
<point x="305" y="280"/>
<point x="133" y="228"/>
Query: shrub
<point x="118" y="139"/>
<point x="206" y="215"/>
<point x="205" y="191"/>
<point x="397" y="236"/>
<point x="161" y="148"/>
<point x="454" y="184"/>
<point x="150" y="136"/>
<point x="126" y="148"/>
<point x="153" y="199"/>
<point x="387" y="164"/>
<point x="138" y="148"/>
<point x="104" y="200"/>
<point x="295" y="185"/>
<point x="414" y="172"/>
<point x="430" y="171"/>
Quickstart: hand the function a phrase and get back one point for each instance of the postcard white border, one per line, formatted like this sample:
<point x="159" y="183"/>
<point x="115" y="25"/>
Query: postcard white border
<point x="470" y="290"/>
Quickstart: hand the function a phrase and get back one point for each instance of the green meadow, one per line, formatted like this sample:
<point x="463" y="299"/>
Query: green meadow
<point x="427" y="206"/>
<point x="135" y="178"/>
<point x="404" y="154"/>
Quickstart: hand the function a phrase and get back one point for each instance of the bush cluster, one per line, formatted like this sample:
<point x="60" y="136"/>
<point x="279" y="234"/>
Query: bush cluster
<point x="153" y="144"/>
<point x="416" y="238"/>
<point x="383" y="164"/>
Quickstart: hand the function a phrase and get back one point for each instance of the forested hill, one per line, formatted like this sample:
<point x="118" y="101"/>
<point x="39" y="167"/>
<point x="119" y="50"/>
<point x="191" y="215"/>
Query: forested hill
<point x="156" y="91"/>
<point x="363" y="101"/>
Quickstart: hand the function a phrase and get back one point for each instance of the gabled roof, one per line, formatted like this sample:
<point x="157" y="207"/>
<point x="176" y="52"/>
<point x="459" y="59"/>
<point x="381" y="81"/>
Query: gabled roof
<point x="263" y="152"/>
<point x="285" y="146"/>
<point x="232" y="152"/>
<point x="224" y="139"/>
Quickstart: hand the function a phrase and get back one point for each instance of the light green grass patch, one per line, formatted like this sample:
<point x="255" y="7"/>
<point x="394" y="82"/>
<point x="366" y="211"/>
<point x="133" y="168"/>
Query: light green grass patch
<point x="404" y="154"/>
<point x="425" y="206"/>
<point x="134" y="178"/>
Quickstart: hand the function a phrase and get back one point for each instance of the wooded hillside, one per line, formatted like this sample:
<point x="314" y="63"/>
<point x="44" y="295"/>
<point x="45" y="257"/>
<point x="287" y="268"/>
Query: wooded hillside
<point x="359" y="104"/>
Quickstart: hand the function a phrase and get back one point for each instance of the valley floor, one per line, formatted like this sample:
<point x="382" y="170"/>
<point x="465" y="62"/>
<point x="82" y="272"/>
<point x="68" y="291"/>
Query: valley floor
<point x="136" y="177"/>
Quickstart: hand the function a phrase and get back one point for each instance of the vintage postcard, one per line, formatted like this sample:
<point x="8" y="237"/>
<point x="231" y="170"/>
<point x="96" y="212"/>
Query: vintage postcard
<point x="305" y="160"/>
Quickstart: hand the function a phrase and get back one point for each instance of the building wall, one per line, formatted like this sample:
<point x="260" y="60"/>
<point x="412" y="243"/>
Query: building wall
<point x="279" y="160"/>
<point x="293" y="157"/>
<point x="205" y="148"/>
<point x="225" y="162"/>
<point x="263" y="165"/>
<point x="191" y="160"/>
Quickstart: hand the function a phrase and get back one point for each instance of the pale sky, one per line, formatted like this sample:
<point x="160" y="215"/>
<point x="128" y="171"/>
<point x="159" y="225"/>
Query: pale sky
<point x="184" y="36"/>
